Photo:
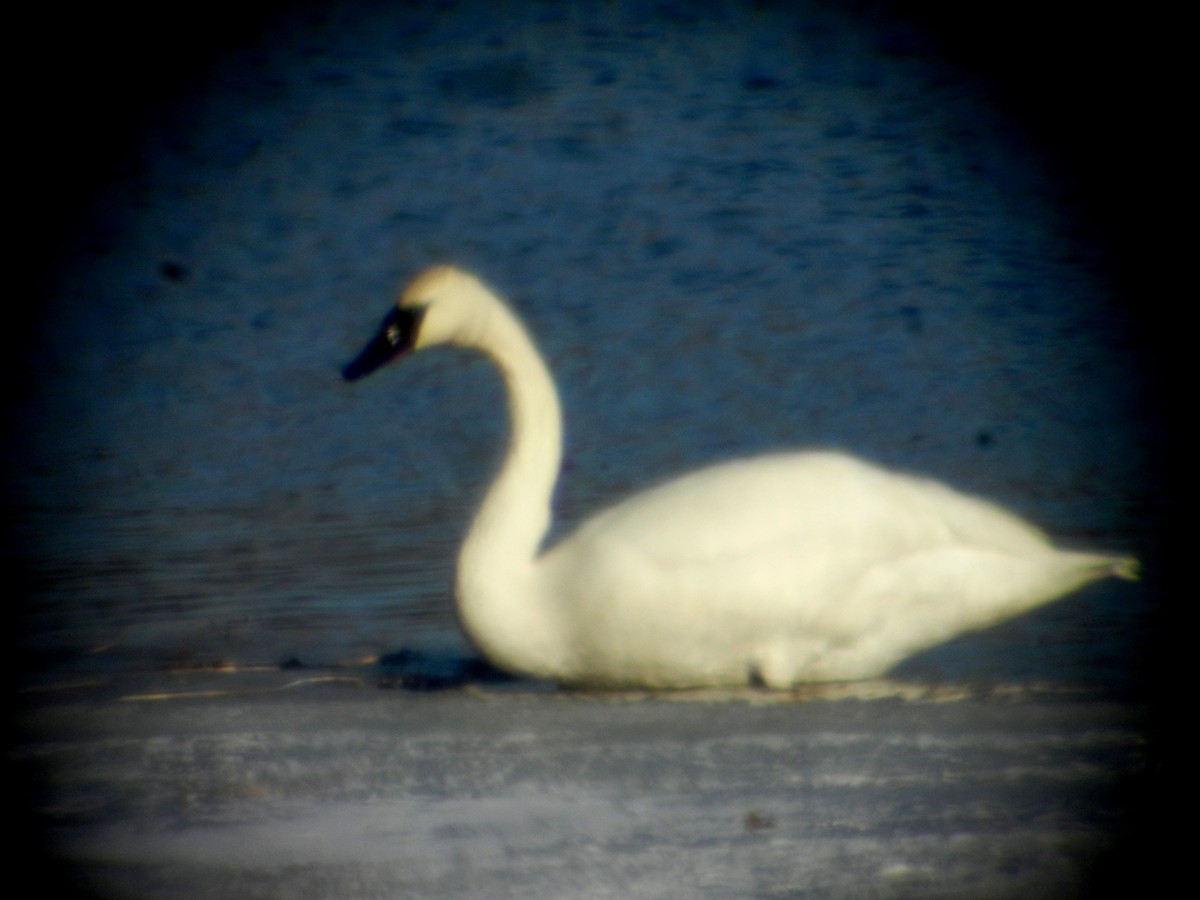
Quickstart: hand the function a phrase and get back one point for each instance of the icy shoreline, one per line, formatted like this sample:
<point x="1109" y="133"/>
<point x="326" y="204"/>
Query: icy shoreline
<point x="333" y="791"/>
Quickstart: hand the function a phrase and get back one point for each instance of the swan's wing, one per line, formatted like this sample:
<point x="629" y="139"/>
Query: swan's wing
<point x="795" y="566"/>
<point x="791" y="541"/>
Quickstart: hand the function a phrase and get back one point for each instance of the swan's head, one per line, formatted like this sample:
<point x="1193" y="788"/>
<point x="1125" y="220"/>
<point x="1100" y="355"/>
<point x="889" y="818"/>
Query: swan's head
<point x="443" y="305"/>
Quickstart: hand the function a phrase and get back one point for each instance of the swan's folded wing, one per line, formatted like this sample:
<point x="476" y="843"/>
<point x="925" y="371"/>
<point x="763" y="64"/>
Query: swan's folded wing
<point x="795" y="567"/>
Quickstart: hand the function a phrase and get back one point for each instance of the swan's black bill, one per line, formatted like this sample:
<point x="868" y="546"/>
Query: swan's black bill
<point x="396" y="337"/>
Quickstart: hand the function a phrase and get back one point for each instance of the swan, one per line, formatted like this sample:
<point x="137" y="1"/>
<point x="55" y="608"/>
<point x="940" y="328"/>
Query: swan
<point x="769" y="571"/>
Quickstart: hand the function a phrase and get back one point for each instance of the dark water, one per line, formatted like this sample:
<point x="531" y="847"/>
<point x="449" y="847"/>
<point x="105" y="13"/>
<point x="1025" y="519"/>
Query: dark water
<point x="741" y="230"/>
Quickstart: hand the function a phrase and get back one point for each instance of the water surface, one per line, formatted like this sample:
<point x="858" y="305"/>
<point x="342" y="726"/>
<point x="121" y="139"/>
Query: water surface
<point x="730" y="233"/>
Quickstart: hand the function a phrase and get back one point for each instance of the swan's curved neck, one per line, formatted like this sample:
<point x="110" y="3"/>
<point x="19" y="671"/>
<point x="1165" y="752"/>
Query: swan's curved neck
<point x="497" y="598"/>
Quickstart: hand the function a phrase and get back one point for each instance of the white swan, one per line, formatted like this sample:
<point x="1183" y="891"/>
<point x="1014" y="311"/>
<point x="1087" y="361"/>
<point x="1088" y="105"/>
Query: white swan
<point x="772" y="570"/>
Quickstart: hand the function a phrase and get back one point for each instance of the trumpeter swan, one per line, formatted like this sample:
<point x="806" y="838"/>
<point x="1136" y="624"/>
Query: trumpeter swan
<point x="773" y="570"/>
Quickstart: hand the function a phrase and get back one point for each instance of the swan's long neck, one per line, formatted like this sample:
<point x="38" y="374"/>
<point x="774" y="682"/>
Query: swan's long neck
<point x="498" y="599"/>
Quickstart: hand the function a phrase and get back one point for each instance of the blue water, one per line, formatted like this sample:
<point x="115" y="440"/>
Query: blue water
<point x="730" y="232"/>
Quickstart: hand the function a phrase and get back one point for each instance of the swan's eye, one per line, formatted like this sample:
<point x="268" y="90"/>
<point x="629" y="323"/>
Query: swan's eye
<point x="394" y="338"/>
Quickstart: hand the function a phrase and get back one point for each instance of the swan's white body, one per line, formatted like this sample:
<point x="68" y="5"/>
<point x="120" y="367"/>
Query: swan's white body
<point x="775" y="570"/>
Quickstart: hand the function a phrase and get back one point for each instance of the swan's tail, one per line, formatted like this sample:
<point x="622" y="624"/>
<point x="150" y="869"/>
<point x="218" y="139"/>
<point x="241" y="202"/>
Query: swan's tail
<point x="1125" y="567"/>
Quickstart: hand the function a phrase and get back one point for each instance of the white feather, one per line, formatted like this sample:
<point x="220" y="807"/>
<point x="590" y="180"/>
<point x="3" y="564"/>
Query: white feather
<point x="778" y="569"/>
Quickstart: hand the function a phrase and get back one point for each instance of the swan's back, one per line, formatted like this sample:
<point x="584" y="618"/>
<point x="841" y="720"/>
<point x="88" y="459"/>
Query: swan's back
<point x="809" y="499"/>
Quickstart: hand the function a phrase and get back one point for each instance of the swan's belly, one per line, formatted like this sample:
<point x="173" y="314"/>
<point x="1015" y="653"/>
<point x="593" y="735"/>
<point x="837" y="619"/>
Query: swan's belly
<point x="721" y="652"/>
<point x="813" y="621"/>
